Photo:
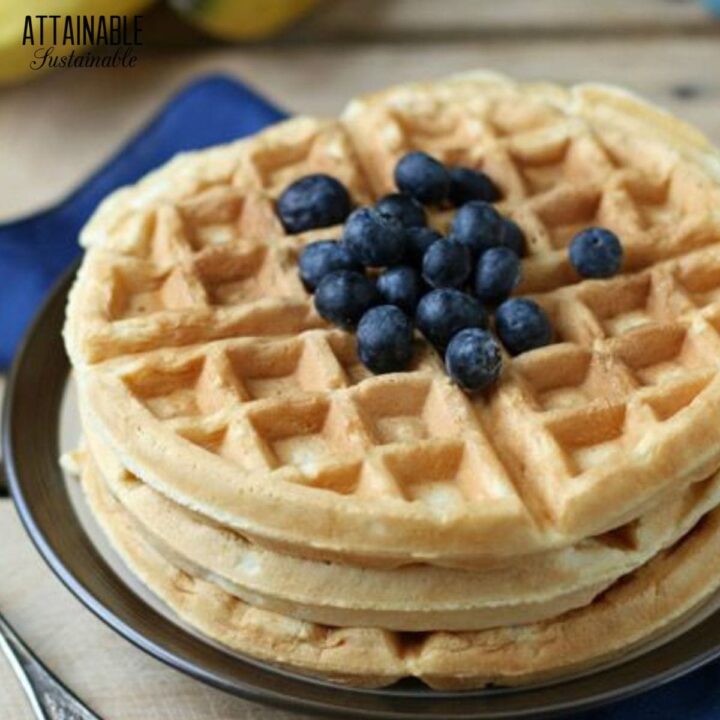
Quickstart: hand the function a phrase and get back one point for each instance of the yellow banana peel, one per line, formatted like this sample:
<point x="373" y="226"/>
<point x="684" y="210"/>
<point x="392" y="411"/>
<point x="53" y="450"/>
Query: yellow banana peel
<point x="15" y="58"/>
<point x="242" y="19"/>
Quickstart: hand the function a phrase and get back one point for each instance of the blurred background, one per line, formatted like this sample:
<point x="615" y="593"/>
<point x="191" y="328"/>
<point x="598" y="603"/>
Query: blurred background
<point x="307" y="56"/>
<point x="310" y="57"/>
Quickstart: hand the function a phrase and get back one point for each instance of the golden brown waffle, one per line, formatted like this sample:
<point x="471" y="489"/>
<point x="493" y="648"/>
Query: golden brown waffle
<point x="565" y="160"/>
<point x="203" y="365"/>
<point x="647" y="602"/>
<point x="412" y="598"/>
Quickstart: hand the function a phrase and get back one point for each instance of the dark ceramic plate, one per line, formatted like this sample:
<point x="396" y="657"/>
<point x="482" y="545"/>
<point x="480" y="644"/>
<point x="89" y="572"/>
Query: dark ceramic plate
<point x="44" y="500"/>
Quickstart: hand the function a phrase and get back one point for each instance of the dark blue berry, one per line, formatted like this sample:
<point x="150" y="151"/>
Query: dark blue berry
<point x="344" y="296"/>
<point x="447" y="263"/>
<point x="496" y="275"/>
<point x="596" y="253"/>
<point x="442" y="313"/>
<point x="417" y="242"/>
<point x="401" y="286"/>
<point x="313" y="201"/>
<point x="422" y="176"/>
<point x="467" y="184"/>
<point x="473" y="359"/>
<point x="384" y="338"/>
<point x="478" y="226"/>
<point x="320" y="258"/>
<point x="374" y="239"/>
<point x="512" y="236"/>
<point x="522" y="325"/>
<point x="406" y="210"/>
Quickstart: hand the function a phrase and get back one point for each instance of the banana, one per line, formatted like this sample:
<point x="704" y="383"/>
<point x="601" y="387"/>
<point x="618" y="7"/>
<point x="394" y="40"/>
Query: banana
<point x="242" y="19"/>
<point x="15" y="58"/>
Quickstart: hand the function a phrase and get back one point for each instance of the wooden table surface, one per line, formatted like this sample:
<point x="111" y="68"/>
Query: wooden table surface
<point x="55" y="130"/>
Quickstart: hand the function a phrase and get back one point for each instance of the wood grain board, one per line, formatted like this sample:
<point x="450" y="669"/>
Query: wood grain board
<point x="58" y="128"/>
<point x="379" y="19"/>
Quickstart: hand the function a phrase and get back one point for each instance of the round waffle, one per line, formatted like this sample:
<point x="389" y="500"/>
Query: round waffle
<point x="631" y="612"/>
<point x="411" y="598"/>
<point x="204" y="366"/>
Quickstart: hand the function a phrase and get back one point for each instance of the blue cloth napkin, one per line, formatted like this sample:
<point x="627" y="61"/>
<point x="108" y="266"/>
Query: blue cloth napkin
<point x="713" y="6"/>
<point x="35" y="250"/>
<point x="692" y="697"/>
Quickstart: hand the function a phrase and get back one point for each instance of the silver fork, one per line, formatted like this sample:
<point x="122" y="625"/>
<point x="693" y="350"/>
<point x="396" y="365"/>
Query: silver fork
<point x="49" y="698"/>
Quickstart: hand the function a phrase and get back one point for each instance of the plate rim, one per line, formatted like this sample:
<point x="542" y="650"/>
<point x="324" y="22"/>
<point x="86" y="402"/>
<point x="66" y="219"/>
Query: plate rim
<point x="51" y="310"/>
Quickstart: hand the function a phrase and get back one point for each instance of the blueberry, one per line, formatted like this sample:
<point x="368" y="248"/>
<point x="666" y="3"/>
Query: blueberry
<point x="473" y="359"/>
<point x="374" y="239"/>
<point x="478" y="225"/>
<point x="313" y="201"/>
<point x="447" y="263"/>
<point x="401" y="286"/>
<point x="512" y="236"/>
<point x="423" y="177"/>
<point x="442" y="313"/>
<point x="406" y="210"/>
<point x="344" y="296"/>
<point x="596" y="253"/>
<point x="384" y="338"/>
<point x="417" y="242"/>
<point x="496" y="275"/>
<point x="320" y="258"/>
<point x="467" y="184"/>
<point x="522" y="325"/>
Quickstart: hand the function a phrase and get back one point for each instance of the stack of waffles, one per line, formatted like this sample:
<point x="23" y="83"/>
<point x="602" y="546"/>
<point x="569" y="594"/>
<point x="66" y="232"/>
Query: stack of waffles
<point x="290" y="504"/>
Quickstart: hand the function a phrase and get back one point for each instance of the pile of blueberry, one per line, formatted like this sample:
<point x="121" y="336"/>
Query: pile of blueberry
<point x="417" y="277"/>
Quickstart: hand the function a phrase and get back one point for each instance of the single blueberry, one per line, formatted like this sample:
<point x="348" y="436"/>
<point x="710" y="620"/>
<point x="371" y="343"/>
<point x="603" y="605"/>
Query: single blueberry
<point x="374" y="239"/>
<point x="522" y="325"/>
<point x="496" y="275"/>
<point x="473" y="359"/>
<point x="401" y="286"/>
<point x="446" y="263"/>
<point x="423" y="177"/>
<point x="313" y="201"/>
<point x="417" y="242"/>
<point x="322" y="257"/>
<point x="384" y="338"/>
<point x="467" y="184"/>
<point x="596" y="253"/>
<point x="406" y="210"/>
<point x="442" y="313"/>
<point x="344" y="296"/>
<point x="512" y="236"/>
<point x="478" y="226"/>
